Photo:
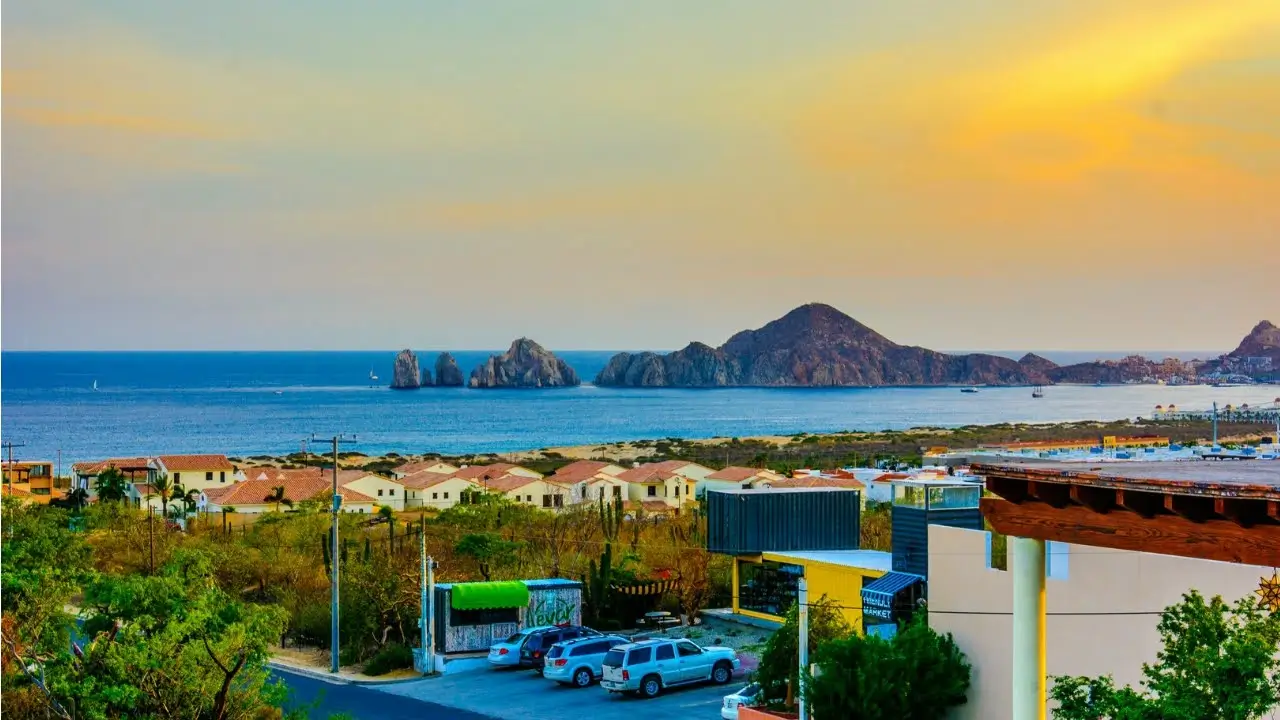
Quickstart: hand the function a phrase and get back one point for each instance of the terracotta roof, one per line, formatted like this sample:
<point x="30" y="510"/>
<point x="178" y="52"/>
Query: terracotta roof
<point x="671" y="466"/>
<point x="424" y="479"/>
<point x="507" y="483"/>
<point x="816" y="481"/>
<point x="411" y="468"/>
<point x="578" y="471"/>
<point x="645" y="474"/>
<point x="145" y="489"/>
<point x="475" y="472"/>
<point x="735" y="473"/>
<point x="15" y="491"/>
<point x="215" y="493"/>
<point x="183" y="463"/>
<point x="297" y="488"/>
<point x="98" y="466"/>
<point x="891" y="476"/>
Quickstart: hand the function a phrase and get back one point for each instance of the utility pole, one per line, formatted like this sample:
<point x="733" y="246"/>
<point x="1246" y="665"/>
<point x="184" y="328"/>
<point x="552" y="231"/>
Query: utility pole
<point x="427" y="605"/>
<point x="1215" y="423"/>
<point x="802" y="647"/>
<point x="334" y="553"/>
<point x="8" y="475"/>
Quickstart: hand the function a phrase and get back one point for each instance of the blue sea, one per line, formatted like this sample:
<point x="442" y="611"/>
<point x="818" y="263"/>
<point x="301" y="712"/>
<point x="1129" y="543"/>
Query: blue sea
<point x="227" y="402"/>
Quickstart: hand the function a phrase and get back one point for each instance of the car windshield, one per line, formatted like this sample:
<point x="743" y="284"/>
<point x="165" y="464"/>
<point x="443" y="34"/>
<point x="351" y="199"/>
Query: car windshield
<point x="613" y="658"/>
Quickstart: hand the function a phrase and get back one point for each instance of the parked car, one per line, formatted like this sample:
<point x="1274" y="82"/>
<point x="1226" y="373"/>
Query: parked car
<point x="536" y="644"/>
<point x="649" y="666"/>
<point x="506" y="653"/>
<point x="749" y="696"/>
<point x="579" y="662"/>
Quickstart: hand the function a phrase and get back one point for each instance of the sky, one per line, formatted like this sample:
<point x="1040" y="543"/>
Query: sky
<point x="290" y="174"/>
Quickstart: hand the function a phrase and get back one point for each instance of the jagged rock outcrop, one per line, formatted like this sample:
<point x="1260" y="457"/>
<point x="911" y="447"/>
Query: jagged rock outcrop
<point x="448" y="374"/>
<point x="1257" y="356"/>
<point x="526" y="364"/>
<point x="813" y="345"/>
<point x="1262" y="341"/>
<point x="405" y="374"/>
<point x="1037" y="368"/>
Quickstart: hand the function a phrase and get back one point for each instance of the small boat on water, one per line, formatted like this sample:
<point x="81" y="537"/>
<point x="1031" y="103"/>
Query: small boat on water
<point x="95" y="386"/>
<point x="969" y="390"/>
<point x="279" y="392"/>
<point x="1038" y="392"/>
<point x="372" y="377"/>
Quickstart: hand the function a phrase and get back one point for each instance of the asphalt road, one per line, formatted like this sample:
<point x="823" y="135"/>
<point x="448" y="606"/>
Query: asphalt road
<point x="364" y="703"/>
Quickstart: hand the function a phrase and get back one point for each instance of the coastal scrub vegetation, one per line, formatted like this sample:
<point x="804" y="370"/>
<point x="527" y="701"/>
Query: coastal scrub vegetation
<point x="1218" y="660"/>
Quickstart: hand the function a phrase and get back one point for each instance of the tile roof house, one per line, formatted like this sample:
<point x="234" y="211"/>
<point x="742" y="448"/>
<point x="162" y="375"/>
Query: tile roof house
<point x="654" y="482"/>
<point x="196" y="472"/>
<point x="250" y="496"/>
<point x="435" y="466"/>
<point x="427" y="489"/>
<point x="736" y="477"/>
<point x="494" y="470"/>
<point x="540" y="492"/>
<point x="589" y="480"/>
<point x="86" y="473"/>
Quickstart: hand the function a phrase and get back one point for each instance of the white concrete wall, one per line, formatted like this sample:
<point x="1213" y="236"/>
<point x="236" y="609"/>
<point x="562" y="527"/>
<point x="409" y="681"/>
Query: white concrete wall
<point x="197" y="479"/>
<point x="441" y="497"/>
<point x="382" y="490"/>
<point x="1082" y="579"/>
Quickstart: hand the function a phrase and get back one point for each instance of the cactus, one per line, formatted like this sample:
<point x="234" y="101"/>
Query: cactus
<point x="596" y="584"/>
<point x="368" y="549"/>
<point x="344" y="550"/>
<point x="610" y="519"/>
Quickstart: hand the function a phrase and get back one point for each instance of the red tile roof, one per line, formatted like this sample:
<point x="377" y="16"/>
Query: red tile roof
<point x="424" y="479"/>
<point x="98" y="466"/>
<point x="735" y="473"/>
<point x="672" y="466"/>
<point x="297" y="488"/>
<point x="507" y="483"/>
<point x="185" y="463"/>
<point x="816" y="481"/>
<point x="578" y="471"/>
<point x="475" y="472"/>
<point x="645" y="474"/>
<point x="410" y="468"/>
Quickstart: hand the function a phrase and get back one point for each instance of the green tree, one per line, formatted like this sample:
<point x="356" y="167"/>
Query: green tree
<point x="1218" y="661"/>
<point x="277" y="496"/>
<point x="112" y="486"/>
<point x="779" y="671"/>
<point x="165" y="489"/>
<point x="488" y="550"/>
<point x="916" y="674"/>
<point x="169" y="645"/>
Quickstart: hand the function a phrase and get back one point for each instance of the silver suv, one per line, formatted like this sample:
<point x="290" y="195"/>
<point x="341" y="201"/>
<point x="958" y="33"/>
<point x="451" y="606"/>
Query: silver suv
<point x="649" y="666"/>
<point x="579" y="662"/>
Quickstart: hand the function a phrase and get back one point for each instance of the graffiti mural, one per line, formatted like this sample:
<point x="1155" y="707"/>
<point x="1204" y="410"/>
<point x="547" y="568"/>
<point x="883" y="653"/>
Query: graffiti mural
<point x="551" y="610"/>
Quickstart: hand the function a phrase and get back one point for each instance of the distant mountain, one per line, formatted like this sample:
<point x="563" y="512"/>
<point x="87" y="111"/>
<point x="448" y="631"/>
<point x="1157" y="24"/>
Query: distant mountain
<point x="1262" y="341"/>
<point x="1257" y="355"/>
<point x="813" y="345"/>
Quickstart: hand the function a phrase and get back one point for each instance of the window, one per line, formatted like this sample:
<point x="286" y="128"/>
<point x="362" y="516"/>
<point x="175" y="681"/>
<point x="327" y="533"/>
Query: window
<point x="528" y="498"/>
<point x="687" y="649"/>
<point x="379" y="492"/>
<point x="222" y="476"/>
<point x="617" y="491"/>
<point x="665" y="652"/>
<point x="591" y="648"/>
<point x="639" y="656"/>
<point x="208" y="476"/>
<point x="768" y="587"/>
<point x="499" y="616"/>
<point x="546" y="501"/>
<point x="392" y="492"/>
<point x="436" y="496"/>
<point x="176" y="478"/>
<point x="446" y="496"/>
<point x="653" y="491"/>
<point x="558" y="500"/>
<point x="666" y="491"/>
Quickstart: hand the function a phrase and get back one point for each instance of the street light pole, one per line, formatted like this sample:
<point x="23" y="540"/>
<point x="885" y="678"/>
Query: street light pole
<point x="334" y="553"/>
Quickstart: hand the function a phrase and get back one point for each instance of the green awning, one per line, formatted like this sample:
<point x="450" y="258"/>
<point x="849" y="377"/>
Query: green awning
<point x="489" y="595"/>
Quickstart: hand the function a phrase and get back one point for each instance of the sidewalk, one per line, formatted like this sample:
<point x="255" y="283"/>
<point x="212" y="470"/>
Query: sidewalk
<point x="290" y="662"/>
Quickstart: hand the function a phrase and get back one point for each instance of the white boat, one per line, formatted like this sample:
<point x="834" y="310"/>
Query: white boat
<point x="969" y="390"/>
<point x="279" y="392"/>
<point x="372" y="377"/>
<point x="95" y="385"/>
<point x="1038" y="392"/>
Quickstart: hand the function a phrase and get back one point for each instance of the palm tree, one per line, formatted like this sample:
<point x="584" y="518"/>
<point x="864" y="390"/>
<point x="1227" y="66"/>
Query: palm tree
<point x="190" y="499"/>
<point x="112" y="485"/>
<point x="277" y="497"/>
<point x="165" y="488"/>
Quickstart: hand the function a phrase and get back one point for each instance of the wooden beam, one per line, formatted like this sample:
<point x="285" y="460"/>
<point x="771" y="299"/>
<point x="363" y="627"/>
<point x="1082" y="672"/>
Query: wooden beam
<point x="1273" y="509"/>
<point x="1097" y="499"/>
<point x="1243" y="512"/>
<point x="1058" y="495"/>
<point x="1195" y="508"/>
<point x="1146" y="504"/>
<point x="1166" y="534"/>
<point x="1008" y="488"/>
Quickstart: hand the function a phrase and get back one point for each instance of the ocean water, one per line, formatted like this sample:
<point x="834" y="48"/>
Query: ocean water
<point x="227" y="402"/>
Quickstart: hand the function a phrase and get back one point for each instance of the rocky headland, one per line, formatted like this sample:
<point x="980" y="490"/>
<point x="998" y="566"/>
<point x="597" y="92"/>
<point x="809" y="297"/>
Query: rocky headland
<point x="405" y="374"/>
<point x="448" y="374"/>
<point x="526" y="364"/>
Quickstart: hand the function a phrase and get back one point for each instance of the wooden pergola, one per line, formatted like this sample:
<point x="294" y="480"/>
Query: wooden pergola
<point x="1227" y="510"/>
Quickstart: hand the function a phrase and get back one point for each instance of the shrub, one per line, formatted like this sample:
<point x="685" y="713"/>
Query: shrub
<point x="391" y="657"/>
<point x="779" y="665"/>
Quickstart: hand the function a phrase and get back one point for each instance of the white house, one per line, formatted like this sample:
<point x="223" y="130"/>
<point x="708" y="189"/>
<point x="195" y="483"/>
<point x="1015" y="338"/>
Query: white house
<point x="736" y="478"/>
<point x="196" y="472"/>
<point x="254" y="496"/>
<point x="435" y="490"/>
<point x="383" y="490"/>
<point x="433" y="466"/>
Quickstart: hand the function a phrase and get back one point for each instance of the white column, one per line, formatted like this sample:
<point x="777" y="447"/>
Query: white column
<point x="802" y="645"/>
<point x="1028" y="628"/>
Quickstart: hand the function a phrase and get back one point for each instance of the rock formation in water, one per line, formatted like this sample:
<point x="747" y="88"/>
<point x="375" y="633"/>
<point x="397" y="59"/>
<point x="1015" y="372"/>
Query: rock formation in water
<point x="448" y="374"/>
<point x="813" y="345"/>
<point x="405" y="374"/>
<point x="526" y="364"/>
<point x="1257" y="355"/>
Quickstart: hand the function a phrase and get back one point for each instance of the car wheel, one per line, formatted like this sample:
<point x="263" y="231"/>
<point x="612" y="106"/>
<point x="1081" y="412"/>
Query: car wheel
<point x="650" y="686"/>
<point x="721" y="673"/>
<point x="582" y="678"/>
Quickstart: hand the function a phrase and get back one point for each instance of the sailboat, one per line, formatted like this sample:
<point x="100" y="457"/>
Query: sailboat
<point x="95" y="386"/>
<point x="1038" y="392"/>
<point x="372" y="377"/>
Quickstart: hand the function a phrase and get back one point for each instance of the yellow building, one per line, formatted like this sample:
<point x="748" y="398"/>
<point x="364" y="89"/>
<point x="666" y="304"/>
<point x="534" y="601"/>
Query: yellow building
<point x="34" y="478"/>
<point x="765" y="585"/>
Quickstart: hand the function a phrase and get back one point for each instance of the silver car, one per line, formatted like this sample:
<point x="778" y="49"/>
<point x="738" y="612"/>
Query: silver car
<point x="506" y="653"/>
<point x="578" y="662"/>
<point x="649" y="666"/>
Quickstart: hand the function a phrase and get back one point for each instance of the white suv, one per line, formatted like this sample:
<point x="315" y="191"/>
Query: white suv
<point x="648" y="666"/>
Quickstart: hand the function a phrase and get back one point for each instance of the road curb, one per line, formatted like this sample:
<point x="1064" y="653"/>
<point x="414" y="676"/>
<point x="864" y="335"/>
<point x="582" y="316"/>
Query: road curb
<point x="338" y="679"/>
